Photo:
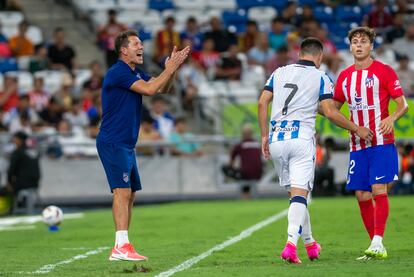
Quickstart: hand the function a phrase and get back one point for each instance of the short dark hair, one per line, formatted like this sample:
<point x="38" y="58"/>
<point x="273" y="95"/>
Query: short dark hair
<point x="362" y="31"/>
<point x="180" y="119"/>
<point x="122" y="39"/>
<point x="311" y="45"/>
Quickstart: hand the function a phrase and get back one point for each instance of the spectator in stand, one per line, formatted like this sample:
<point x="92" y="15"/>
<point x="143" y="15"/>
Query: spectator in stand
<point x="293" y="46"/>
<point x="229" y="67"/>
<point x="20" y="44"/>
<point x="193" y="34"/>
<point x="329" y="48"/>
<point x="397" y="29"/>
<point x="95" y="114"/>
<point x="289" y="15"/>
<point x="61" y="55"/>
<point x="334" y="67"/>
<point x="324" y="174"/>
<point x="40" y="60"/>
<point x="379" y="18"/>
<point x="165" y="41"/>
<point x="52" y="114"/>
<point x="247" y="39"/>
<point x="65" y="94"/>
<point x="163" y="120"/>
<point x="405" y="45"/>
<point x="147" y="133"/>
<point x="9" y="97"/>
<point x="183" y="146"/>
<point x="309" y="28"/>
<point x="5" y="51"/>
<point x="384" y="53"/>
<point x="94" y="83"/>
<point x="106" y="37"/>
<point x="76" y="116"/>
<point x="190" y="76"/>
<point x="12" y="5"/>
<point x="406" y="76"/>
<point x="307" y="14"/>
<point x="221" y="37"/>
<point x="261" y="52"/>
<point x="281" y="58"/>
<point x="21" y="117"/>
<point x="277" y="35"/>
<point x="207" y="58"/>
<point x="38" y="97"/>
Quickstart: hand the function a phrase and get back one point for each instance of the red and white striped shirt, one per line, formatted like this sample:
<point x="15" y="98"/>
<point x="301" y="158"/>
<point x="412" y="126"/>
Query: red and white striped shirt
<point x="368" y="95"/>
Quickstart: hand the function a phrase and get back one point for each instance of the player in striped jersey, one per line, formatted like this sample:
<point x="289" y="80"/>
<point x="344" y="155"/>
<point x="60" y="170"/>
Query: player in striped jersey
<point x="367" y="87"/>
<point x="296" y="91"/>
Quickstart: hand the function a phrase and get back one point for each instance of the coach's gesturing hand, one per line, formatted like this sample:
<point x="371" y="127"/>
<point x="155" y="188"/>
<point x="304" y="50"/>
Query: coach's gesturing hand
<point x="177" y="58"/>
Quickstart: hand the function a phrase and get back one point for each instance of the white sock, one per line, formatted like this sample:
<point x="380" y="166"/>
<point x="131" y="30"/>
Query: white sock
<point x="296" y="215"/>
<point x="377" y="240"/>
<point x="307" y="229"/>
<point x="121" y="237"/>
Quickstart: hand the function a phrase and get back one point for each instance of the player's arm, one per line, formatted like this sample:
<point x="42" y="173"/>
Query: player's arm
<point x="154" y="85"/>
<point x="264" y="102"/>
<point x="386" y="125"/>
<point x="331" y="112"/>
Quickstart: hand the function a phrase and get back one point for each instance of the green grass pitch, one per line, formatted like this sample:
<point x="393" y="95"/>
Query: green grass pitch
<point x="170" y="234"/>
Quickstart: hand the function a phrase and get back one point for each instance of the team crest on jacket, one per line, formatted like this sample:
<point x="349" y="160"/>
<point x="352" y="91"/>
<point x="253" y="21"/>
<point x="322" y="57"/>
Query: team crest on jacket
<point x="125" y="177"/>
<point x="369" y="82"/>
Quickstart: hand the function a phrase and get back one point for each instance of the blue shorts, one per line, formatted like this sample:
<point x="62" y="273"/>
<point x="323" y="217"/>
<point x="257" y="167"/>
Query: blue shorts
<point x="120" y="165"/>
<point x="373" y="165"/>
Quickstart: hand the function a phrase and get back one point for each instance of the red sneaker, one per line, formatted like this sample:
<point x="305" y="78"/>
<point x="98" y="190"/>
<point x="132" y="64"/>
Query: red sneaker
<point x="125" y="253"/>
<point x="313" y="249"/>
<point x="290" y="254"/>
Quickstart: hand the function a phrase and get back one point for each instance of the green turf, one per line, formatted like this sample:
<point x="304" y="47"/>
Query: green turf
<point x="169" y="234"/>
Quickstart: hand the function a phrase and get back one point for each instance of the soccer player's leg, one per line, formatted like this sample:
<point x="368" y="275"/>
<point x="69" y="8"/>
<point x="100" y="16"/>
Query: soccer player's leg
<point x="313" y="248"/>
<point x="383" y="170"/>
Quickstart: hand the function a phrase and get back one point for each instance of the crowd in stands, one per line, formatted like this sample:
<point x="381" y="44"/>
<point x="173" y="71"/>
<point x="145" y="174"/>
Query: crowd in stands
<point x="227" y="47"/>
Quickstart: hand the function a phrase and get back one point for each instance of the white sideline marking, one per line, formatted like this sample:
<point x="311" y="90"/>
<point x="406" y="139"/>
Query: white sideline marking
<point x="17" y="228"/>
<point x="244" y="234"/>
<point x="32" y="219"/>
<point x="49" y="267"/>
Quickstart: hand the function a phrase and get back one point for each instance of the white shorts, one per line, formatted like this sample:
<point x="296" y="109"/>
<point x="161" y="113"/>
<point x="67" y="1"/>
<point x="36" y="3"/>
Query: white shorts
<point x="294" y="161"/>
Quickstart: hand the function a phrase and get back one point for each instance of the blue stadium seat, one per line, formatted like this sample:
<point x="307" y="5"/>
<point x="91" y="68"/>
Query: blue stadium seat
<point x="8" y="64"/>
<point x="312" y="3"/>
<point x="246" y="4"/>
<point x="238" y="17"/>
<point x="160" y="4"/>
<point x="349" y="13"/>
<point x="323" y="14"/>
<point x="341" y="42"/>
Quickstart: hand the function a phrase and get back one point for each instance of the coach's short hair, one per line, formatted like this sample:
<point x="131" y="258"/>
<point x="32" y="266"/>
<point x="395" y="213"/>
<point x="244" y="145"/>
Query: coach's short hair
<point x="122" y="39"/>
<point x="362" y="31"/>
<point x="311" y="46"/>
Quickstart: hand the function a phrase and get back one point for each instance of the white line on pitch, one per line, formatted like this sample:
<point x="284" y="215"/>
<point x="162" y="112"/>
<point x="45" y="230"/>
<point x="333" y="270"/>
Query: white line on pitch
<point x="17" y="228"/>
<point x="32" y="219"/>
<point x="49" y="267"/>
<point x="244" y="234"/>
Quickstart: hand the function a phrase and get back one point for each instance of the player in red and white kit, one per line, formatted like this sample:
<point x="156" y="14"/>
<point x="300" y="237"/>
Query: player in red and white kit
<point x="367" y="87"/>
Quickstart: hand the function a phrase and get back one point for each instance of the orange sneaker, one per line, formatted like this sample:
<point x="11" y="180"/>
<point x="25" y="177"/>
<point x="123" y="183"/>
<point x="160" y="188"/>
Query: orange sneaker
<point x="125" y="253"/>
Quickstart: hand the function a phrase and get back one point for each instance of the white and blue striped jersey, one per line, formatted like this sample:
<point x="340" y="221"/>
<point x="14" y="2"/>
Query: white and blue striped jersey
<point x="297" y="89"/>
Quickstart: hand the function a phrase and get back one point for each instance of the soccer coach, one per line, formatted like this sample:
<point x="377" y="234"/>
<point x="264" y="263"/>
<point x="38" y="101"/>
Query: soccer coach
<point x="123" y="87"/>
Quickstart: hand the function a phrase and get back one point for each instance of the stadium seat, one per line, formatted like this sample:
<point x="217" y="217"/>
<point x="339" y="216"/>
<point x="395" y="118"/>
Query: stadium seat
<point x="24" y="80"/>
<point x="9" y="64"/>
<point x="133" y="4"/>
<point x="221" y="4"/>
<point x="312" y="3"/>
<point x="52" y="79"/>
<point x="100" y="5"/>
<point x="234" y="17"/>
<point x="161" y="5"/>
<point x="247" y="4"/>
<point x="11" y="18"/>
<point x="262" y="14"/>
<point x="189" y="4"/>
<point x="81" y="76"/>
<point x="34" y="33"/>
<point x="349" y="13"/>
<point x="23" y="62"/>
<point x="9" y="30"/>
<point x="324" y="14"/>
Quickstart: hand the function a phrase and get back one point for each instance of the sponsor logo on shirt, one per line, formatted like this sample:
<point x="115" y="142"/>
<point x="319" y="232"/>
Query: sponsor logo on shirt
<point x="285" y="129"/>
<point x="397" y="84"/>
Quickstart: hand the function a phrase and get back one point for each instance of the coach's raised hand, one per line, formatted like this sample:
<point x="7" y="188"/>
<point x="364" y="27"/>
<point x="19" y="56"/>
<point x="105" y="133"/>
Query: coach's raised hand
<point x="177" y="58"/>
